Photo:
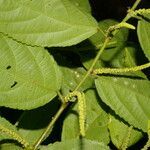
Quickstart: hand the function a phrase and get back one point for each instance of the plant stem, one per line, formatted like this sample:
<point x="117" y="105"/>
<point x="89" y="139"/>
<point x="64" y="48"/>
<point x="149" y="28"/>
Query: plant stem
<point x="60" y="97"/>
<point x="64" y="105"/>
<point x="137" y="2"/>
<point x="61" y="109"/>
<point x="104" y="46"/>
<point x="94" y="62"/>
<point x="135" y="5"/>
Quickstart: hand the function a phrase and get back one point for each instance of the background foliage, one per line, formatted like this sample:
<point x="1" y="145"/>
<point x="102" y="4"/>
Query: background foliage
<point x="46" y="50"/>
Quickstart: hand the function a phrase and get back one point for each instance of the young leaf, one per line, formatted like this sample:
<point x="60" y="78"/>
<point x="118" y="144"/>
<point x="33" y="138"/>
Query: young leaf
<point x="96" y="121"/>
<point x="144" y="36"/>
<point x="77" y="144"/>
<point x="129" y="98"/>
<point x="29" y="76"/>
<point x="119" y="133"/>
<point x="46" y="22"/>
<point x="32" y="123"/>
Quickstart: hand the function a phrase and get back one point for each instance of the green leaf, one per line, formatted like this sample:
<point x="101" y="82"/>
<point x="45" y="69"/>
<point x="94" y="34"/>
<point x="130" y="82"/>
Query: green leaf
<point x="29" y="76"/>
<point x="10" y="147"/>
<point x="143" y="31"/>
<point x="46" y="22"/>
<point x="129" y="98"/>
<point x="96" y="121"/>
<point x="119" y="132"/>
<point x="76" y="145"/>
<point x="32" y="123"/>
<point x="97" y="130"/>
<point x="84" y="5"/>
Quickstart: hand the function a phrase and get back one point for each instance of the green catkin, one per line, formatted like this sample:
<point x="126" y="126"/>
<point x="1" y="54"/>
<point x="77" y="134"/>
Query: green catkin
<point x="139" y="12"/>
<point x="120" y="70"/>
<point x="70" y="95"/>
<point x="120" y="25"/>
<point x="127" y="139"/>
<point x="15" y="136"/>
<point x="84" y="101"/>
<point x="124" y="25"/>
<point x="82" y="108"/>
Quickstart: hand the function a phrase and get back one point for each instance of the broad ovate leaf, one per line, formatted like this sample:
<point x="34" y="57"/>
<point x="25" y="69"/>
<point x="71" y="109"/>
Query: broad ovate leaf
<point x="121" y="133"/>
<point x="77" y="144"/>
<point x="144" y="36"/>
<point x="29" y="76"/>
<point x="129" y="98"/>
<point x="96" y="121"/>
<point x="46" y="22"/>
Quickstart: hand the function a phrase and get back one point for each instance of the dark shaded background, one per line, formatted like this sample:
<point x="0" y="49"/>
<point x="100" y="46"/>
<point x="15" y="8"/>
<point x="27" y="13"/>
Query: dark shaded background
<point x="104" y="9"/>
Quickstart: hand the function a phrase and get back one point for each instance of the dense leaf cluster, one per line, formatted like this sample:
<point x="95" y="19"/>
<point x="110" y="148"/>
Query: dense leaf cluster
<point x="47" y="48"/>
